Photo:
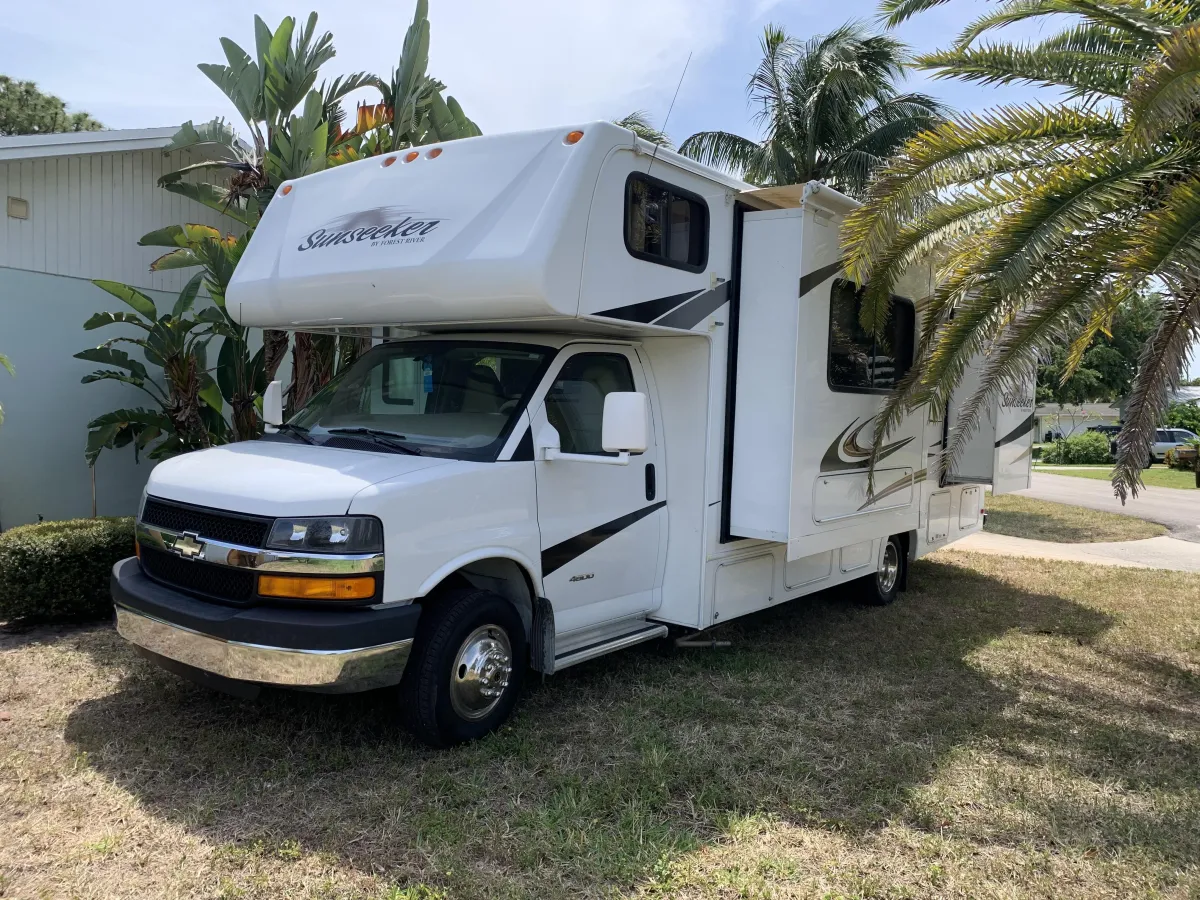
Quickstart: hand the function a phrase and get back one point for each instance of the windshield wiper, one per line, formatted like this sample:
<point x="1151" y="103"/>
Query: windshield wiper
<point x="297" y="431"/>
<point x="383" y="438"/>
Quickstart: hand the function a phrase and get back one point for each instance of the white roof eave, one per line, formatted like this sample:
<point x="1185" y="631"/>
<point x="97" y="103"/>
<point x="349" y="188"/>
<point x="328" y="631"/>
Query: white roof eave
<point x="80" y="143"/>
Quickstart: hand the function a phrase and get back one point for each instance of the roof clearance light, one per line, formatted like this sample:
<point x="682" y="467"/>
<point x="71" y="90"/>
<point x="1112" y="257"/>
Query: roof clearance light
<point x="388" y="161"/>
<point x="411" y="155"/>
<point x="573" y="138"/>
<point x="434" y="153"/>
<point x="287" y="189"/>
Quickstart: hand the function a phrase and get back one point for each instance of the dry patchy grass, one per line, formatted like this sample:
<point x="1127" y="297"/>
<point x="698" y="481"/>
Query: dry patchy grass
<point x="1042" y="520"/>
<point x="1009" y="728"/>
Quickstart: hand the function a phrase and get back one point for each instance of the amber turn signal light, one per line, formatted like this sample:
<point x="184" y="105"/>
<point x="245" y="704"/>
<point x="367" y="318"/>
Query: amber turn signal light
<point x="387" y="162"/>
<point x="297" y="587"/>
<point x="573" y="138"/>
<point x="434" y="153"/>
<point x="287" y="189"/>
<point x="411" y="155"/>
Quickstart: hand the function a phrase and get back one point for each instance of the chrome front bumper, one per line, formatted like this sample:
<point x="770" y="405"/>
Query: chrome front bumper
<point x="330" y="650"/>
<point x="338" y="670"/>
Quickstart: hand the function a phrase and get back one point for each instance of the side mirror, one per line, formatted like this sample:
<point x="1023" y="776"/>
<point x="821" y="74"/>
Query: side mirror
<point x="626" y="423"/>
<point x="273" y="405"/>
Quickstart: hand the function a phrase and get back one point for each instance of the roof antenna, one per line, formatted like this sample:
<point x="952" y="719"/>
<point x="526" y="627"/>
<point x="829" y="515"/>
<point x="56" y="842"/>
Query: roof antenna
<point x="669" y="109"/>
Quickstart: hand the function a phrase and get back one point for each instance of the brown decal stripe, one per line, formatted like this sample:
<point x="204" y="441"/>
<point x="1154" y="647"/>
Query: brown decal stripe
<point x="695" y="310"/>
<point x="648" y="310"/>
<point x="554" y="558"/>
<point x="818" y="276"/>
<point x="1020" y="431"/>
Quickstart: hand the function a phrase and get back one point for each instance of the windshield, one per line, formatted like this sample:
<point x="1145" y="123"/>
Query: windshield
<point x="437" y="398"/>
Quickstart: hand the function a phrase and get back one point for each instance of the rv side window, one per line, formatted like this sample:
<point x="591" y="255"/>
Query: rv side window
<point x="665" y="224"/>
<point x="575" y="402"/>
<point x="859" y="362"/>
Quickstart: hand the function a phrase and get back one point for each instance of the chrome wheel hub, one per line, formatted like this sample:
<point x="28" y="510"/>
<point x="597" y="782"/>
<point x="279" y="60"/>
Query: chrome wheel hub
<point x="889" y="570"/>
<point x="481" y="672"/>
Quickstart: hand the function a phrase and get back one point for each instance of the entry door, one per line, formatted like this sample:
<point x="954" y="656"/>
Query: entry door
<point x="602" y="526"/>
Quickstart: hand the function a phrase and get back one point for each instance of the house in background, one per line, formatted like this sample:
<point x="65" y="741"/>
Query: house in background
<point x="76" y="206"/>
<point x="1183" y="394"/>
<point x="1054" y="421"/>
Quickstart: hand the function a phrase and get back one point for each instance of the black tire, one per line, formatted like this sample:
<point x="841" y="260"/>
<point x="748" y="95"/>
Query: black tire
<point x="883" y="587"/>
<point x="1149" y="461"/>
<point x="443" y="707"/>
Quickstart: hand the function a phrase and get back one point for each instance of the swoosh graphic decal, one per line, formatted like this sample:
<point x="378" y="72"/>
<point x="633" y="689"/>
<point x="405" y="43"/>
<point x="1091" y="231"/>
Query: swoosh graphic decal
<point x="648" y="310"/>
<point x="896" y="486"/>
<point x="849" y="447"/>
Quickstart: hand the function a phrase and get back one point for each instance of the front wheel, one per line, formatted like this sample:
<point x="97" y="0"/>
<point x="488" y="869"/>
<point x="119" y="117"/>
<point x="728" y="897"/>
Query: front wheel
<point x="466" y="669"/>
<point x="883" y="587"/>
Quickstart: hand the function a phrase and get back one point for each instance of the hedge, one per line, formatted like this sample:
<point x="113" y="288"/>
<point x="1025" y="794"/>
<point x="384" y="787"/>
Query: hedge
<point x="58" y="571"/>
<point x="1089" y="447"/>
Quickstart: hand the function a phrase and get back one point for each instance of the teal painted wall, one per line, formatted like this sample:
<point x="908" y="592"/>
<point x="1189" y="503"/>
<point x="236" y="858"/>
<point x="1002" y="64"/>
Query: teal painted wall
<point x="46" y="409"/>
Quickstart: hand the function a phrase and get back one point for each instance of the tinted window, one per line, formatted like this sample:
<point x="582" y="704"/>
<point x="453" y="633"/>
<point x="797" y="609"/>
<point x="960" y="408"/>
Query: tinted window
<point x="857" y="360"/>
<point x="665" y="224"/>
<point x="575" y="402"/>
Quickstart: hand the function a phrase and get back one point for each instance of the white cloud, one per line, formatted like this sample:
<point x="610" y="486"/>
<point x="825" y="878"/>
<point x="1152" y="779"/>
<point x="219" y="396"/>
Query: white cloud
<point x="512" y="64"/>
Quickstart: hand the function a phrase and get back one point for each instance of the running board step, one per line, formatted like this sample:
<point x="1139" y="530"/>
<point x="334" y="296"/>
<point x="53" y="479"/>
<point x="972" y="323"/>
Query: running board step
<point x="644" y="632"/>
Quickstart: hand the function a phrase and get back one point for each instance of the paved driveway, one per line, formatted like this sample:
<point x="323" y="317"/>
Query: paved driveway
<point x="1178" y="510"/>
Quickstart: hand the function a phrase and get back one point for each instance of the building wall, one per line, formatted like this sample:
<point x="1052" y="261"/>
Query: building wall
<point x="86" y="214"/>
<point x="46" y="409"/>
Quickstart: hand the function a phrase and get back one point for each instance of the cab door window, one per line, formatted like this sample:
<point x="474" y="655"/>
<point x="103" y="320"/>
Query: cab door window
<point x="575" y="401"/>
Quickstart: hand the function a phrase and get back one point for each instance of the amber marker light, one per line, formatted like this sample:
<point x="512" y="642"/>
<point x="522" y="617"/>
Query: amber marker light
<point x="387" y="162"/>
<point x="287" y="189"/>
<point x="434" y="153"/>
<point x="296" y="587"/>
<point x="573" y="138"/>
<point x="411" y="155"/>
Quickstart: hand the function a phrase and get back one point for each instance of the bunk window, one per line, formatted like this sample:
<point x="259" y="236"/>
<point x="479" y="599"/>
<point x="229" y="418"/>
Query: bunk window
<point x="665" y="224"/>
<point x="859" y="362"/>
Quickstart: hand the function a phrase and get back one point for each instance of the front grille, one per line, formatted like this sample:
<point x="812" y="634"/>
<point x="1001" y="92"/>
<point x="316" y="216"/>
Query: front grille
<point x="216" y="582"/>
<point x="211" y="524"/>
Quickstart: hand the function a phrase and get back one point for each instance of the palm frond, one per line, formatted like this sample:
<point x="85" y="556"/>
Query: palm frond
<point x="1166" y="96"/>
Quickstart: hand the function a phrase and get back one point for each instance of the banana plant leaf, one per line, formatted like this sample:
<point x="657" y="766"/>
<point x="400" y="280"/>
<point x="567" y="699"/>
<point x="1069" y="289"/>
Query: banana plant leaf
<point x="132" y="296"/>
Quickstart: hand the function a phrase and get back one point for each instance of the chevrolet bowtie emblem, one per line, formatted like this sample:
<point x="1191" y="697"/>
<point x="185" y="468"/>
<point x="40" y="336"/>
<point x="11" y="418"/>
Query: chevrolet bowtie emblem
<point x="189" y="545"/>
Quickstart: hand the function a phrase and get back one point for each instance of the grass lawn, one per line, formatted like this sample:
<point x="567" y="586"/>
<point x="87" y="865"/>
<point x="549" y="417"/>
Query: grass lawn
<point x="1010" y="728"/>
<point x="1042" y="520"/>
<point x="1158" y="476"/>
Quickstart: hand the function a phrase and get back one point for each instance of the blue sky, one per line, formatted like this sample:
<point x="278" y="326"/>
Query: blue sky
<point x="515" y="64"/>
<point x="511" y="63"/>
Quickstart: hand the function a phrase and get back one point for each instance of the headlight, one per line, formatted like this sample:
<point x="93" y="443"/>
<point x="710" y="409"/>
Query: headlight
<point x="338" y="534"/>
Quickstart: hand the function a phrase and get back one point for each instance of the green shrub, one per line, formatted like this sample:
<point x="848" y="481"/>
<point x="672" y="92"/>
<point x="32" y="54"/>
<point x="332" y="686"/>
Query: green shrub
<point x="58" y="571"/>
<point x="1091" y="447"/>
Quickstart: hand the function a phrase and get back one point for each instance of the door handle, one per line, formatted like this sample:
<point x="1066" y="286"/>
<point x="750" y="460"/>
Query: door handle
<point x="651" y="488"/>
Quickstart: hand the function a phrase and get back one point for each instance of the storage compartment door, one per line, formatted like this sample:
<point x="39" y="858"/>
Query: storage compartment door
<point x="1000" y="452"/>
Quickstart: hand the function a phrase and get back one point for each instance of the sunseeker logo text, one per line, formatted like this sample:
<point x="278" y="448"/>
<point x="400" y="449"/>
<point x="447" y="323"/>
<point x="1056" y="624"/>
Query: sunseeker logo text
<point x="384" y="226"/>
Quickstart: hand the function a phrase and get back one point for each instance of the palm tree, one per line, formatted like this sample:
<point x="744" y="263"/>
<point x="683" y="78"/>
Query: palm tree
<point x="639" y="123"/>
<point x="1044" y="218"/>
<point x="295" y="128"/>
<point x="830" y="110"/>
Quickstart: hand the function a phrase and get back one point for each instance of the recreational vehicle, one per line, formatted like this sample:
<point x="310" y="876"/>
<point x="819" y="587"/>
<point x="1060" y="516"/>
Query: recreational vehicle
<point x="612" y="393"/>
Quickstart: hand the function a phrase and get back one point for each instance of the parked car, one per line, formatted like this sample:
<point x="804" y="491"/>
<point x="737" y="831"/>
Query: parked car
<point x="1164" y="439"/>
<point x="1168" y="439"/>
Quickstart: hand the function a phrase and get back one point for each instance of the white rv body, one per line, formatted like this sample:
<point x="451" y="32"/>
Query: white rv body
<point x="752" y="489"/>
